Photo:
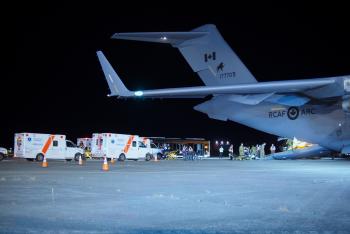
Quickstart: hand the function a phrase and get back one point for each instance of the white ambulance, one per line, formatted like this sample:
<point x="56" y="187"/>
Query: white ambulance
<point x="36" y="145"/>
<point x="119" y="146"/>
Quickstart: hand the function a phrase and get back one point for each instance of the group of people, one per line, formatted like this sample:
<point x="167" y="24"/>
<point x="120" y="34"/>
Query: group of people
<point x="188" y="153"/>
<point x="245" y="152"/>
<point x="255" y="151"/>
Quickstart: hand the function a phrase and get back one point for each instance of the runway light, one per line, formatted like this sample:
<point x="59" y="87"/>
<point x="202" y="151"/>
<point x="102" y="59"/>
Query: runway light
<point x="216" y="142"/>
<point x="138" y="93"/>
<point x="222" y="142"/>
<point x="227" y="142"/>
<point x="163" y="38"/>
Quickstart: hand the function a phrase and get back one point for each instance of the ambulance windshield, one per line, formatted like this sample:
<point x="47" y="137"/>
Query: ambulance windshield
<point x="71" y="144"/>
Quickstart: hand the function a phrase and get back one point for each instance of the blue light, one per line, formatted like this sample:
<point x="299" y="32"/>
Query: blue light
<point x="138" y="93"/>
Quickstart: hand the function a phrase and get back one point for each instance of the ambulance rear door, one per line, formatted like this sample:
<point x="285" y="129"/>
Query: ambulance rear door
<point x="98" y="147"/>
<point x="19" y="145"/>
<point x="111" y="145"/>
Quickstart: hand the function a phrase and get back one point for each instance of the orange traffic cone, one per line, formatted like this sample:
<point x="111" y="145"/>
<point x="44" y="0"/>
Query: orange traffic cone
<point x="45" y="163"/>
<point x="105" y="166"/>
<point x="112" y="160"/>
<point x="80" y="160"/>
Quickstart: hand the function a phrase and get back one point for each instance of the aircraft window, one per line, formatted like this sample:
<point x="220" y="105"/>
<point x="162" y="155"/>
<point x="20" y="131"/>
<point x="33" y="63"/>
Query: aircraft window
<point x="141" y="144"/>
<point x="134" y="144"/>
<point x="55" y="143"/>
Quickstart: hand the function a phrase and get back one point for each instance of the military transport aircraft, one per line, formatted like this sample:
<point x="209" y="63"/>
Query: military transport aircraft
<point x="314" y="110"/>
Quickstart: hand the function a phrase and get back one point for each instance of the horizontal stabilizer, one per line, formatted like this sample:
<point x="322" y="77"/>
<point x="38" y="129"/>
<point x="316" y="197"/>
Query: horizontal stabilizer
<point x="205" y="50"/>
<point x="160" y="37"/>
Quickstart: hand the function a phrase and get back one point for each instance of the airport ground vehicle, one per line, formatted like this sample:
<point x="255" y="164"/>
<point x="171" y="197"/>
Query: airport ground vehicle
<point x="121" y="146"/>
<point x="3" y="153"/>
<point x="36" y="145"/>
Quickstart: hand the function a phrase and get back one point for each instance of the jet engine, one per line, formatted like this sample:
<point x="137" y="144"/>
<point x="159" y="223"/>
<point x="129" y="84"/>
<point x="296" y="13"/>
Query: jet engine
<point x="346" y="104"/>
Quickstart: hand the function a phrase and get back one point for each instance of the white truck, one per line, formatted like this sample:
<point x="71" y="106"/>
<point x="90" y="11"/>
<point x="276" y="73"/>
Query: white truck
<point x="120" y="146"/>
<point x="3" y="153"/>
<point x="155" y="150"/>
<point x="36" y="145"/>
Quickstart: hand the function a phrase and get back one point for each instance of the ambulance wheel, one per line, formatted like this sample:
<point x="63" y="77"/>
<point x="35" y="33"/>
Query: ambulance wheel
<point x="39" y="157"/>
<point x="122" y="157"/>
<point x="148" y="157"/>
<point x="76" y="156"/>
<point x="1" y="156"/>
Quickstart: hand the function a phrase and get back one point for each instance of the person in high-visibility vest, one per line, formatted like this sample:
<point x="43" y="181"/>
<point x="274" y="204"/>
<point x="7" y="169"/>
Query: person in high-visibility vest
<point x="241" y="151"/>
<point x="253" y="151"/>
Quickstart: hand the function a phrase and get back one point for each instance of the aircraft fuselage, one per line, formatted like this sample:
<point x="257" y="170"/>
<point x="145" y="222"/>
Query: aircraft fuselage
<point x="324" y="124"/>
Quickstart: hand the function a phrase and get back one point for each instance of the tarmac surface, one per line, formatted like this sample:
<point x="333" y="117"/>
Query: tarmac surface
<point x="206" y="196"/>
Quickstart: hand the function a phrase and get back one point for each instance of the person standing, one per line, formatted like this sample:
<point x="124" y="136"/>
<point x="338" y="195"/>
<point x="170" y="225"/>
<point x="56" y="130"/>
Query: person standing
<point x="253" y="151"/>
<point x="184" y="152"/>
<point x="262" y="150"/>
<point x="221" y="151"/>
<point x="241" y="151"/>
<point x="272" y="149"/>
<point x="230" y="152"/>
<point x="190" y="152"/>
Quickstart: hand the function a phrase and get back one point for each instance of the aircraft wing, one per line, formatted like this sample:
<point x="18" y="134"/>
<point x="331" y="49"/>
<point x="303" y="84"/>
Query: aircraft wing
<point x="117" y="87"/>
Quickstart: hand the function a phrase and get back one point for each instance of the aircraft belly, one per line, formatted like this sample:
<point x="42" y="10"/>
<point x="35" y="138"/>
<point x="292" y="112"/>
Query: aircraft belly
<point x="313" y="123"/>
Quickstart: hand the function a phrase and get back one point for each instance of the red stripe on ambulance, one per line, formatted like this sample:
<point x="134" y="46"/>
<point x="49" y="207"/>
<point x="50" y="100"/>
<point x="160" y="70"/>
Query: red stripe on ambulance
<point x="47" y="144"/>
<point x="127" y="147"/>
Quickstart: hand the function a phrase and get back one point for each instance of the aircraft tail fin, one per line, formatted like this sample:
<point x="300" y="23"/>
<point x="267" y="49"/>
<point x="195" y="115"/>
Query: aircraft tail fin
<point x="115" y="84"/>
<point x="205" y="50"/>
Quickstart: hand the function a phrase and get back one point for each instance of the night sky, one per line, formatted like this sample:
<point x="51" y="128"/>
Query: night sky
<point x="56" y="84"/>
